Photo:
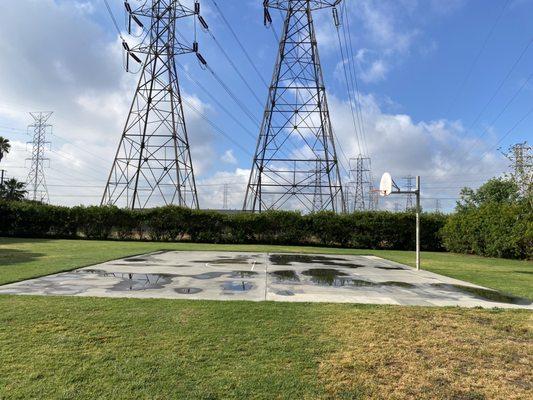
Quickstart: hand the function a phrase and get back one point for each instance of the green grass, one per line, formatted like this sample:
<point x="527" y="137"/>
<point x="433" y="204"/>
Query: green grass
<point x="64" y="348"/>
<point x="28" y="258"/>
<point x="75" y="347"/>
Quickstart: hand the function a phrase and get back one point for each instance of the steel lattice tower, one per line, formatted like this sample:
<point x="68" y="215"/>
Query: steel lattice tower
<point x="153" y="165"/>
<point x="295" y="164"/>
<point x="409" y="186"/>
<point x="36" y="181"/>
<point x="359" y="167"/>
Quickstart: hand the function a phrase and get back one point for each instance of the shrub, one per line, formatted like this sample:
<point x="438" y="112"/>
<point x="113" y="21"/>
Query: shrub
<point x="371" y="230"/>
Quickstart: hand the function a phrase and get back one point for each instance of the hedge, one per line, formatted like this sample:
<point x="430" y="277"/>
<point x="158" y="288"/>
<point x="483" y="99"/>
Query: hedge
<point x="492" y="230"/>
<point x="364" y="230"/>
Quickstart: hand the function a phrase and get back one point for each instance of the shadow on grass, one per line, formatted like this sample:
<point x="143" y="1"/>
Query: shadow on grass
<point x="15" y="256"/>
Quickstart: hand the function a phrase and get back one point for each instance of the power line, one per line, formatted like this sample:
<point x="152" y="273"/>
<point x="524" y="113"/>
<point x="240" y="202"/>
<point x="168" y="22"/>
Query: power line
<point x="476" y="58"/>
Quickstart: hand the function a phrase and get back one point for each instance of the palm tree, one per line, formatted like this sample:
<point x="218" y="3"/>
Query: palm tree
<point x="4" y="147"/>
<point x="13" y="190"/>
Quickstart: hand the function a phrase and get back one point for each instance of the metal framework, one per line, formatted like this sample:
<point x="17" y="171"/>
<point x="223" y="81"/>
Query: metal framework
<point x="153" y="165"/>
<point x="360" y="171"/>
<point x="36" y="181"/>
<point x="295" y="164"/>
<point x="409" y="185"/>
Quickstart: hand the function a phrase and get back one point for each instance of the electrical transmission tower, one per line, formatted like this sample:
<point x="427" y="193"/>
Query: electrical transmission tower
<point x="522" y="166"/>
<point x="360" y="169"/>
<point x="225" y="197"/>
<point x="153" y="165"/>
<point x="295" y="163"/>
<point x="437" y="206"/>
<point x="409" y="186"/>
<point x="36" y="181"/>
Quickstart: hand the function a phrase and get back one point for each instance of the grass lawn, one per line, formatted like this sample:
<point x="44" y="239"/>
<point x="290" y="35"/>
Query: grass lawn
<point x="28" y="258"/>
<point x="88" y="348"/>
<point x="74" y="347"/>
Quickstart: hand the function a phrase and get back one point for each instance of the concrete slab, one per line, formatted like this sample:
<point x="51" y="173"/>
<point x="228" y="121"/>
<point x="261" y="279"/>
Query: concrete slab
<point x="261" y="276"/>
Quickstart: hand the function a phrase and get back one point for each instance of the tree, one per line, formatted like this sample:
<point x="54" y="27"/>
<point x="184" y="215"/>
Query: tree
<point x="13" y="190"/>
<point x="4" y="147"/>
<point x="496" y="190"/>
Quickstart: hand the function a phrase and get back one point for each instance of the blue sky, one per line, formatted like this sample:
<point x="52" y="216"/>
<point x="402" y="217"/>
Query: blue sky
<point x="426" y="69"/>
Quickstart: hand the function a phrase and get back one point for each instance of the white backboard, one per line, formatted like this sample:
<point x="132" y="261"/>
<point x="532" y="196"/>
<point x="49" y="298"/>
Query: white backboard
<point x="385" y="185"/>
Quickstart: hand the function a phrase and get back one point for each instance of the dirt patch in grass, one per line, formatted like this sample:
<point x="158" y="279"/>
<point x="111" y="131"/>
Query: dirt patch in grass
<point x="416" y="353"/>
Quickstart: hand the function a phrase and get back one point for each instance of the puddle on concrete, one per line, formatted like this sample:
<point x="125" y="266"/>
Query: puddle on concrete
<point x="222" y="260"/>
<point x="242" y="274"/>
<point x="398" y="284"/>
<point x="284" y="292"/>
<point x="327" y="277"/>
<point x="207" y="275"/>
<point x="287" y="275"/>
<point x="484" y="294"/>
<point x="288" y="259"/>
<point x="133" y="281"/>
<point x="392" y="268"/>
<point x="237" y="286"/>
<point x="188" y="290"/>
<point x="136" y="259"/>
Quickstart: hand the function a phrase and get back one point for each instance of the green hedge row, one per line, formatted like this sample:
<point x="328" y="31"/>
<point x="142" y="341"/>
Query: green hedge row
<point x="365" y="230"/>
<point x="492" y="230"/>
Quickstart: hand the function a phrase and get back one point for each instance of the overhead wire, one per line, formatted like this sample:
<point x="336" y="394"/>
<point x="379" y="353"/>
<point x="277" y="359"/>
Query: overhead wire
<point x="476" y="58"/>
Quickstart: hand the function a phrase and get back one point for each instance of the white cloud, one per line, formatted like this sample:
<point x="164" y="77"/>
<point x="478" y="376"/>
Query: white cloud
<point x="228" y="157"/>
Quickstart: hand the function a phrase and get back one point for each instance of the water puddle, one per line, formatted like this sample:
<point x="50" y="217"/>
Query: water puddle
<point x="288" y="259"/>
<point x="207" y="275"/>
<point x="223" y="260"/>
<point x="187" y="290"/>
<point x="136" y="259"/>
<point x="133" y="281"/>
<point x="398" y="284"/>
<point x="242" y="274"/>
<point x="287" y="275"/>
<point x="484" y="294"/>
<point x="284" y="292"/>
<point x="392" y="268"/>
<point x="327" y="277"/>
<point x="237" y="286"/>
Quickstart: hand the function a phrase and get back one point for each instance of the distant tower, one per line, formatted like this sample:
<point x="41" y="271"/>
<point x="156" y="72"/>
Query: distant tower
<point x="360" y="169"/>
<point x="437" y="206"/>
<point x="295" y="163"/>
<point x="225" y="197"/>
<point x="521" y="158"/>
<point x="409" y="186"/>
<point x="153" y="165"/>
<point x="36" y="181"/>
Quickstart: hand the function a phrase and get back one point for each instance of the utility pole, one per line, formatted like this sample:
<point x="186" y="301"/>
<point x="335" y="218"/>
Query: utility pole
<point x="296" y="135"/>
<point x="153" y="165"/>
<point x="36" y="180"/>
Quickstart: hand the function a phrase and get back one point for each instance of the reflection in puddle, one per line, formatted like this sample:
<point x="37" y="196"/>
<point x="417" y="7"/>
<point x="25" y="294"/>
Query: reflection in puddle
<point x="285" y="275"/>
<point x="398" y="284"/>
<point x="484" y="294"/>
<point x="288" y="259"/>
<point x="284" y="292"/>
<point x="136" y="259"/>
<point x="237" y="286"/>
<point x="392" y="268"/>
<point x="243" y="274"/>
<point x="133" y="281"/>
<point x="207" y="275"/>
<point x="187" y="290"/>
<point x="222" y="260"/>
<point x="327" y="277"/>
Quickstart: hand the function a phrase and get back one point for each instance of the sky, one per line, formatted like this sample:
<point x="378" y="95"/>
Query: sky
<point x="445" y="86"/>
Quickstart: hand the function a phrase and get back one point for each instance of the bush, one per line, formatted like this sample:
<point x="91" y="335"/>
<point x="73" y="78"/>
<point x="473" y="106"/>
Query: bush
<point x="370" y="230"/>
<point x="492" y="230"/>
